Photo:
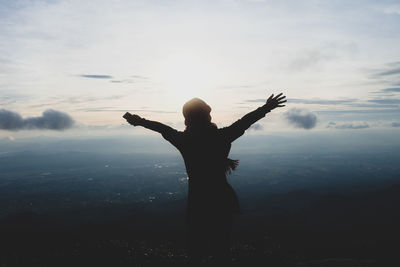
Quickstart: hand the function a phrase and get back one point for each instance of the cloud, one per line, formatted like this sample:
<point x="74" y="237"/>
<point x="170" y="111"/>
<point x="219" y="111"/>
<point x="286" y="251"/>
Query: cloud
<point x="53" y="101"/>
<point x="392" y="9"/>
<point x="131" y="79"/>
<point x="50" y="119"/>
<point x="321" y="101"/>
<point x="353" y="126"/>
<point x="96" y="76"/>
<point x="391" y="90"/>
<point x="256" y="127"/>
<point x="257" y="100"/>
<point x="301" y="118"/>
<point x="359" y="111"/>
<point x="385" y="101"/>
<point x="6" y="100"/>
<point x="348" y="125"/>
<point x="106" y="109"/>
<point x="395" y="124"/>
<point x="315" y="57"/>
<point x="389" y="72"/>
<point x="107" y="77"/>
<point x="309" y="101"/>
<point x="239" y="86"/>
<point x="392" y="68"/>
<point x="331" y="124"/>
<point x="139" y="77"/>
<point x="308" y="59"/>
<point x="10" y="120"/>
<point x="122" y="81"/>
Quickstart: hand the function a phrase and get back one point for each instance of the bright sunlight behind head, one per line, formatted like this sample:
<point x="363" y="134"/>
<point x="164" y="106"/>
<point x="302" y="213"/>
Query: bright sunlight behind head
<point x="188" y="75"/>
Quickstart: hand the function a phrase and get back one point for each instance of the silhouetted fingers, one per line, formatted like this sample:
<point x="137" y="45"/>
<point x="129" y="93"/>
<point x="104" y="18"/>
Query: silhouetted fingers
<point x="282" y="97"/>
<point x="270" y="97"/>
<point x="281" y="101"/>
<point x="276" y="97"/>
<point x="280" y="105"/>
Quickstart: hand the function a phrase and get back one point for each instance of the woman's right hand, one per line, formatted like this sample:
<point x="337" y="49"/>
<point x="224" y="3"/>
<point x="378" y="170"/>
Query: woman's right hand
<point x="132" y="118"/>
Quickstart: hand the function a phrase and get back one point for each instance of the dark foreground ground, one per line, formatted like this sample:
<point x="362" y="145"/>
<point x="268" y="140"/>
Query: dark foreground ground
<point x="299" y="228"/>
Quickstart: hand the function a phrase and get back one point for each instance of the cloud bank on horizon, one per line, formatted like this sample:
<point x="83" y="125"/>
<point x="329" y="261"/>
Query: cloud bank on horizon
<point x="301" y="118"/>
<point x="50" y="120"/>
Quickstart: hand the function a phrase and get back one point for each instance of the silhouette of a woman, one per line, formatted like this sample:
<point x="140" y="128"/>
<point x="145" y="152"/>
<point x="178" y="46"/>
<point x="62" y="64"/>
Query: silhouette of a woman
<point x="204" y="147"/>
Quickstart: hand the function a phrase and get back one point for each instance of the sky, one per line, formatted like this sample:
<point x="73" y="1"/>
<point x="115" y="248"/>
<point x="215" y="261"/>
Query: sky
<point x="71" y="67"/>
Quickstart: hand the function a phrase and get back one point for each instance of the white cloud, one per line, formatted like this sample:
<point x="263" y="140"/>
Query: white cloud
<point x="349" y="125"/>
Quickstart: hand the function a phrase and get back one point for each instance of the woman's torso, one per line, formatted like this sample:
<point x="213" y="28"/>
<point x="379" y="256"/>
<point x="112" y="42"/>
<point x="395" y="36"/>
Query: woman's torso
<point x="205" y="152"/>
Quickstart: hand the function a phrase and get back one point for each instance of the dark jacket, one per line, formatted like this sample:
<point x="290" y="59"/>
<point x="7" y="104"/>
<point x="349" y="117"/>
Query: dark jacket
<point x="205" y="150"/>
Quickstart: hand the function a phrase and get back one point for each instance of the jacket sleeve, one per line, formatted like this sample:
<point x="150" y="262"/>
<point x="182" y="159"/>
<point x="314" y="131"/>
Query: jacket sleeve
<point x="237" y="128"/>
<point x="170" y="134"/>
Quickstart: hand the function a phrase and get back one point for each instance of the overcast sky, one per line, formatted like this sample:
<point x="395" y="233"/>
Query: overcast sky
<point x="338" y="62"/>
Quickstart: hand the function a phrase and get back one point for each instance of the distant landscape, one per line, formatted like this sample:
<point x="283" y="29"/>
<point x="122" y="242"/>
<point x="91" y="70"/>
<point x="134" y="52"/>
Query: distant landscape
<point x="81" y="206"/>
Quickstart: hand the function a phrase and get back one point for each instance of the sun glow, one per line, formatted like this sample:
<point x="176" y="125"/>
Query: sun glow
<point x="185" y="76"/>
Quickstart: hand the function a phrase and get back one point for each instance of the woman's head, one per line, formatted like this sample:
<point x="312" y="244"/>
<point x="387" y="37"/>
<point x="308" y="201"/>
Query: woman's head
<point x="196" y="112"/>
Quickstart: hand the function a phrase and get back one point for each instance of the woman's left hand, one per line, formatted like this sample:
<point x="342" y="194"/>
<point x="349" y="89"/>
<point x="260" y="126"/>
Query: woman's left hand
<point x="274" y="102"/>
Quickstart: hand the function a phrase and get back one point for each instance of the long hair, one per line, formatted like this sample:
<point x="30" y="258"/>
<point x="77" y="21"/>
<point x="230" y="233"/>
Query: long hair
<point x="197" y="115"/>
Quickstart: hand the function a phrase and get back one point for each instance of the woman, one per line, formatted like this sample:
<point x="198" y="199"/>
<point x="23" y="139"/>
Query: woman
<point x="204" y="147"/>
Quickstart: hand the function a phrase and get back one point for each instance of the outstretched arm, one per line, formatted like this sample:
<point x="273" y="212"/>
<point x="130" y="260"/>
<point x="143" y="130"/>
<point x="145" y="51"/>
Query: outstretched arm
<point x="237" y="128"/>
<point x="169" y="133"/>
